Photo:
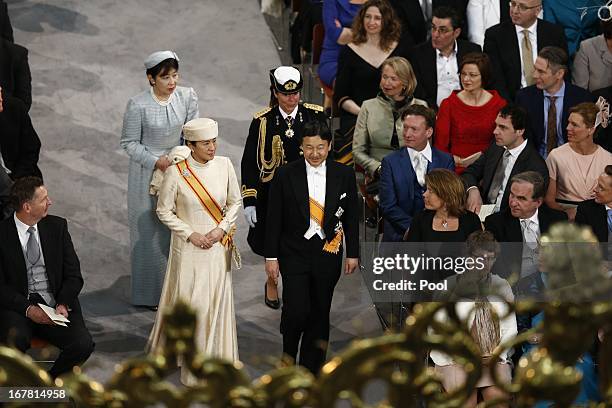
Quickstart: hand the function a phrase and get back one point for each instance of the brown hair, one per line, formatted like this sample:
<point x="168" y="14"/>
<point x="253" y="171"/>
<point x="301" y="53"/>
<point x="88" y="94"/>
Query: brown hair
<point x="588" y="111"/>
<point x="555" y="57"/>
<point x="390" y="30"/>
<point x="404" y="72"/>
<point x="449" y="187"/>
<point x="419" y="110"/>
<point x="535" y="179"/>
<point x="482" y="61"/>
<point x="482" y="241"/>
<point x="23" y="191"/>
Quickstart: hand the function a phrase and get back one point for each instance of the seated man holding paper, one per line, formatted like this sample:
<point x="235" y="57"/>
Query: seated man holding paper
<point x="40" y="279"/>
<point x="486" y="180"/>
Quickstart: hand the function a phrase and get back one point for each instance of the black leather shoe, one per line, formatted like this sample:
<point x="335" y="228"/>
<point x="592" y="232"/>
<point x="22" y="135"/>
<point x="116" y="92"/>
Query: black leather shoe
<point x="272" y="304"/>
<point x="152" y="308"/>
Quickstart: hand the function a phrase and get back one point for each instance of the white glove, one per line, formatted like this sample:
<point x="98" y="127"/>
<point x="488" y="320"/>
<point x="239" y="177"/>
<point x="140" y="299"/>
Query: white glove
<point x="250" y="214"/>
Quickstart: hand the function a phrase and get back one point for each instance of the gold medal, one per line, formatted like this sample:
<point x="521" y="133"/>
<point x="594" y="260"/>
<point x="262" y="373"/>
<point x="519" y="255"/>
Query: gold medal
<point x="289" y="133"/>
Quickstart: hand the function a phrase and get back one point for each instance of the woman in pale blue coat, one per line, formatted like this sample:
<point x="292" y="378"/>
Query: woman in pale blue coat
<point x="152" y="125"/>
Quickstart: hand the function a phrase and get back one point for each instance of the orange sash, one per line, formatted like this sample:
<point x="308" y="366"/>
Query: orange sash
<point x="208" y="202"/>
<point x="316" y="211"/>
<point x="316" y="214"/>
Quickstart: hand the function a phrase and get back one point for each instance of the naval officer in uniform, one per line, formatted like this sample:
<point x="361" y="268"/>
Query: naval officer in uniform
<point x="273" y="140"/>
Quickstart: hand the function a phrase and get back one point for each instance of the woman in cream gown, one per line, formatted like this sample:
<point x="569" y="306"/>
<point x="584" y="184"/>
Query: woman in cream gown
<point x="199" y="266"/>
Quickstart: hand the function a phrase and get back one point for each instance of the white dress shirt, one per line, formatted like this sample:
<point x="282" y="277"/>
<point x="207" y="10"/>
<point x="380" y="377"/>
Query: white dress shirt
<point x="427" y="153"/>
<point x="514" y="154"/>
<point x="481" y="14"/>
<point x="448" y="77"/>
<point x="530" y="263"/>
<point x="22" y="231"/>
<point x="293" y="114"/>
<point x="316" y="191"/>
<point x="534" y="226"/>
<point x="533" y="39"/>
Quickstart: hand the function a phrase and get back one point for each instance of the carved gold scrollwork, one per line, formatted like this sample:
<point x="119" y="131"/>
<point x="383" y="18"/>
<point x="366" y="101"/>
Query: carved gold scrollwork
<point x="397" y="359"/>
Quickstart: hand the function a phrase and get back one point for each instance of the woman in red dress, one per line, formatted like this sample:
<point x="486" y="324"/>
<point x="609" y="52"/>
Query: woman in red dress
<point x="466" y="119"/>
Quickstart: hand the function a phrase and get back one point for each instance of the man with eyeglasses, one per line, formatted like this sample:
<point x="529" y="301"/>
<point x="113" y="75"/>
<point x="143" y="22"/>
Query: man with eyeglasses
<point x="513" y="45"/>
<point x="435" y="62"/>
<point x="415" y="16"/>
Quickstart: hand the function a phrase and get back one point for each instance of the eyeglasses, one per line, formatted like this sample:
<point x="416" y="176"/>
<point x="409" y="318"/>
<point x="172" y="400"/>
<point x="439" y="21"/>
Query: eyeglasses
<point x="442" y="30"/>
<point x="521" y="7"/>
<point x="470" y="75"/>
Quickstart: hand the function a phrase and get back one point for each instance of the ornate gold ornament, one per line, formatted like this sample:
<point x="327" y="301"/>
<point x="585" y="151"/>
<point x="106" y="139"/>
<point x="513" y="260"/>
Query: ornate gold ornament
<point x="398" y="359"/>
<point x="267" y="168"/>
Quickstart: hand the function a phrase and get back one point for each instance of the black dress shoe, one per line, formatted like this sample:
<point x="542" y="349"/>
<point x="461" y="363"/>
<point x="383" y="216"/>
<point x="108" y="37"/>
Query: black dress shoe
<point x="152" y="308"/>
<point x="272" y="304"/>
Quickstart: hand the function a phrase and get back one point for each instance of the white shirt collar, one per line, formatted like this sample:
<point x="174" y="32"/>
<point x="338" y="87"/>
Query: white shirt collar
<point x="518" y="149"/>
<point x="316" y="170"/>
<point x="293" y="114"/>
<point x="533" y="218"/>
<point x="452" y="54"/>
<point x="22" y="228"/>
<point x="608" y="208"/>
<point x="425" y="152"/>
<point x="533" y="29"/>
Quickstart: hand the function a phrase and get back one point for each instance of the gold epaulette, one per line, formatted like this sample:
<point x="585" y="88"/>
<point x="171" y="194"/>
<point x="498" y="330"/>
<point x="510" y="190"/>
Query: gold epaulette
<point x="262" y="112"/>
<point x="248" y="192"/>
<point x="312" y="106"/>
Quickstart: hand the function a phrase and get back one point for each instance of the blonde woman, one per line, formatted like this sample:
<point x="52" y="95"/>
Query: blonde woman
<point x="379" y="128"/>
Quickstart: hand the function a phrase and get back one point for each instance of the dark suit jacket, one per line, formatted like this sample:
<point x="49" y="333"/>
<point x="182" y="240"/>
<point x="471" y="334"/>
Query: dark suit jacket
<point x="423" y="61"/>
<point x="61" y="262"/>
<point x="289" y="215"/>
<point x="507" y="228"/>
<point x="6" y="30"/>
<point x="15" y="76"/>
<point x="532" y="99"/>
<point x="502" y="46"/>
<point x="397" y="190"/>
<point x="19" y="143"/>
<point x="410" y="14"/>
<point x="5" y="189"/>
<point x="481" y="172"/>
<point x="594" y="215"/>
